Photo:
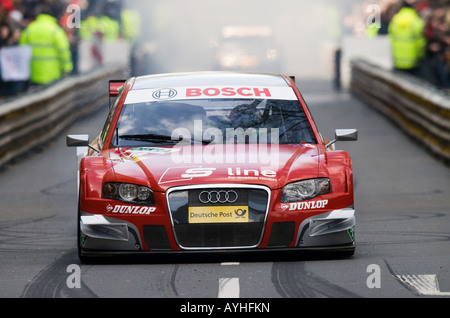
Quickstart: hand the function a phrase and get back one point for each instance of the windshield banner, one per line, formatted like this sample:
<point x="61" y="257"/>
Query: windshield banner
<point x="186" y="93"/>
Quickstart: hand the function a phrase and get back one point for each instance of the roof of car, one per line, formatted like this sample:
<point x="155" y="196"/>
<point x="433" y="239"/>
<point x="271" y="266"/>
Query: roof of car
<point x="208" y="79"/>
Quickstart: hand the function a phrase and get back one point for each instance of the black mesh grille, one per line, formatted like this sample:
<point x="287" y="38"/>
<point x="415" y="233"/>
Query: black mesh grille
<point x="155" y="237"/>
<point x="195" y="226"/>
<point x="281" y="234"/>
<point x="218" y="235"/>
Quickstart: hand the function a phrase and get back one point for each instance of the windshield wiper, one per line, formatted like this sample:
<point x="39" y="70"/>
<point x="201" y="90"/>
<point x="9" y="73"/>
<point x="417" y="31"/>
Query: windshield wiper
<point x="147" y="137"/>
<point x="157" y="138"/>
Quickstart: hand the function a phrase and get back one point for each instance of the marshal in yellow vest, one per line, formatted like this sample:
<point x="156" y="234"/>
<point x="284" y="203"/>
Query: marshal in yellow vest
<point x="407" y="39"/>
<point x="51" y="56"/>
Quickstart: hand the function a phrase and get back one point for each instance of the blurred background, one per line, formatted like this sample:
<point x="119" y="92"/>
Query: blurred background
<point x="289" y="36"/>
<point x="295" y="37"/>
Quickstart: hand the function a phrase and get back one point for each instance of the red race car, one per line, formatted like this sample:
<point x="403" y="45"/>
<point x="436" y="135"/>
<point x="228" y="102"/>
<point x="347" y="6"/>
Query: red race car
<point x="212" y="161"/>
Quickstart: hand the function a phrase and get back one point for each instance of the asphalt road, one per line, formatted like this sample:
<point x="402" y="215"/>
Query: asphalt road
<point x="403" y="221"/>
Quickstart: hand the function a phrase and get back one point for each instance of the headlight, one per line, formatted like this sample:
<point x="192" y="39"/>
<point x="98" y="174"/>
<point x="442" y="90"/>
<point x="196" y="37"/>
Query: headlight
<point x="305" y="190"/>
<point x="129" y="193"/>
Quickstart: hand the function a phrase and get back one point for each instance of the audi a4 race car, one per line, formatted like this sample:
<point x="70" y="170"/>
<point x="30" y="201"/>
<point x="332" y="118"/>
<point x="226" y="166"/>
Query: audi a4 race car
<point x="212" y="161"/>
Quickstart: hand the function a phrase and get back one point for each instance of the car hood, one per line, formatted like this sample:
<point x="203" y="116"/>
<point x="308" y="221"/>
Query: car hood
<point x="165" y="167"/>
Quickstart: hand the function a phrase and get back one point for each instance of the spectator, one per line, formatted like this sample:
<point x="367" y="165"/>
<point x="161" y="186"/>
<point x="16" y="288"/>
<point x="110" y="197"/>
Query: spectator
<point x="10" y="20"/>
<point x="436" y="33"/>
<point x="10" y="24"/>
<point x="7" y="34"/>
<point x="51" y="57"/>
<point x="406" y="32"/>
<point x="5" y="6"/>
<point x="73" y="34"/>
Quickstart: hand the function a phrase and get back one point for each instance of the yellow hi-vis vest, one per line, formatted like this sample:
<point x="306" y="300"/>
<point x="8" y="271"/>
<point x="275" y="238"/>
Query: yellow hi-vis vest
<point x="131" y="25"/>
<point x="51" y="55"/>
<point x="89" y="27"/>
<point x="109" y="28"/>
<point x="407" y="39"/>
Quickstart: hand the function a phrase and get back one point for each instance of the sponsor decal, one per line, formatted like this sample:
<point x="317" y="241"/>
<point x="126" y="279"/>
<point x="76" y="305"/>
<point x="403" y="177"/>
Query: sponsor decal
<point x="130" y="209"/>
<point x="251" y="174"/>
<point x="165" y="93"/>
<point x="137" y="154"/>
<point x="208" y="92"/>
<point x="186" y="174"/>
<point x="228" y="92"/>
<point x="183" y="174"/>
<point x="197" y="172"/>
<point x="306" y="205"/>
<point x="153" y="150"/>
<point x="218" y="214"/>
<point x="351" y="232"/>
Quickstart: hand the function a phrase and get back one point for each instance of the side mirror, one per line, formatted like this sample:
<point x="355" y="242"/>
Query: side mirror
<point x="77" y="141"/>
<point x="344" y="135"/>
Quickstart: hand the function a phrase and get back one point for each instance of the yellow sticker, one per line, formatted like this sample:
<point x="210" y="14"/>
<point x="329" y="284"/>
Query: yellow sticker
<point x="218" y="214"/>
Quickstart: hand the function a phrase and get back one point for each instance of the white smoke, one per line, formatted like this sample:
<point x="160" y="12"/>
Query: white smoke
<point x="184" y="31"/>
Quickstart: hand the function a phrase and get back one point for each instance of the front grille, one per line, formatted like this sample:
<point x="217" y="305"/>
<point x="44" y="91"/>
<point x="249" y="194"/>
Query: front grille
<point x="218" y="217"/>
<point x="282" y="234"/>
<point x="155" y="237"/>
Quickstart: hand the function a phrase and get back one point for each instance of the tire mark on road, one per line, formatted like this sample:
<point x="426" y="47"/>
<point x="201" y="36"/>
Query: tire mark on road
<point x="292" y="280"/>
<point x="52" y="281"/>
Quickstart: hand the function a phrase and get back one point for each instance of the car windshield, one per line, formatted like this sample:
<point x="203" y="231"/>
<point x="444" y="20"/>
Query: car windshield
<point x="203" y="121"/>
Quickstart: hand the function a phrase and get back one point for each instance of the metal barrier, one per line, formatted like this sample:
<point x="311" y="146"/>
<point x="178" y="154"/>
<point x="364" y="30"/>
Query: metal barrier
<point x="36" y="118"/>
<point x="420" y="109"/>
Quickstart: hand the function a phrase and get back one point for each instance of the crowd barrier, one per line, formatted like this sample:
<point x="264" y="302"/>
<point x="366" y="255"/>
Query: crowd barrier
<point x="35" y="118"/>
<point x="420" y="109"/>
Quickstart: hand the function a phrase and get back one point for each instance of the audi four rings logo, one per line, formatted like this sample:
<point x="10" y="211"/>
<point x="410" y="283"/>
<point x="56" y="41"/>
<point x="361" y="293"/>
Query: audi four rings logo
<point x="221" y="196"/>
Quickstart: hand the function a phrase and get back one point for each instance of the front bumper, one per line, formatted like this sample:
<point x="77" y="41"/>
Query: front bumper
<point x="331" y="228"/>
<point x="329" y="231"/>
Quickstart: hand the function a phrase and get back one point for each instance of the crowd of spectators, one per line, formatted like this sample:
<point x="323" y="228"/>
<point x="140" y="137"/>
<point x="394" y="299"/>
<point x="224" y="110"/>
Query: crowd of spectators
<point x="435" y="14"/>
<point x="16" y="15"/>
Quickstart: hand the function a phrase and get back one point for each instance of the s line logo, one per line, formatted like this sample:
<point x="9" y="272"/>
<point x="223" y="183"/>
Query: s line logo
<point x="182" y="174"/>
<point x="198" y="172"/>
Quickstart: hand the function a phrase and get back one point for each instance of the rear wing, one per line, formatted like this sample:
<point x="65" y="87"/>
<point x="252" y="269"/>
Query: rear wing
<point x="115" y="86"/>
